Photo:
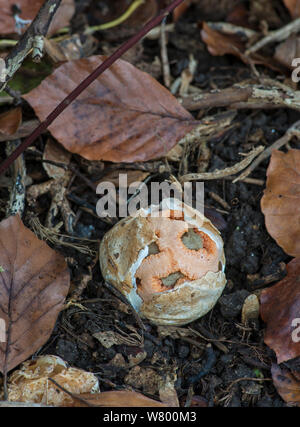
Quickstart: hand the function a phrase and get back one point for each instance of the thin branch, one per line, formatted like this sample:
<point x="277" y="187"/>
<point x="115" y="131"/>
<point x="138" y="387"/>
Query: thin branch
<point x="86" y="82"/>
<point x="31" y="39"/>
<point x="294" y="130"/>
<point x="276" y="36"/>
<point x="217" y="174"/>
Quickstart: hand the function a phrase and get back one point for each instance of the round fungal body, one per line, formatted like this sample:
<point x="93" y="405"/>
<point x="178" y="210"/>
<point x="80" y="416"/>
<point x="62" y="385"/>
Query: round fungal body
<point x="169" y="263"/>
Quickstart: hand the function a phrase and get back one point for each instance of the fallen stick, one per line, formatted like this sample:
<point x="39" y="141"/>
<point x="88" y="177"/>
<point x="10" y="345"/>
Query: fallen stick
<point x="294" y="130"/>
<point x="31" y="39"/>
<point x="217" y="174"/>
<point x="268" y="94"/>
<point x="276" y="36"/>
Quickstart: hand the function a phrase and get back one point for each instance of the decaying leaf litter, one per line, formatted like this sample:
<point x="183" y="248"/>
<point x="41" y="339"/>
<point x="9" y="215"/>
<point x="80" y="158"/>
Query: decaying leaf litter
<point x="229" y="105"/>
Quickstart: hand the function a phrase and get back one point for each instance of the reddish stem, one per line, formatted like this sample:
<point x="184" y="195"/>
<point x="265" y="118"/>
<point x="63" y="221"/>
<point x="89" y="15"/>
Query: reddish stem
<point x="85" y="83"/>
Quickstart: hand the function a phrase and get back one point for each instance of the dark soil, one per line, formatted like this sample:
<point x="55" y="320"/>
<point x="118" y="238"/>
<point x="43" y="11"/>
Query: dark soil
<point x="216" y="373"/>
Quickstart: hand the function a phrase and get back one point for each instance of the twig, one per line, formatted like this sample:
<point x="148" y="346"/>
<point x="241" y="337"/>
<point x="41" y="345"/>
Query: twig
<point x="16" y="203"/>
<point x="226" y="28"/>
<point x="268" y="94"/>
<point x="30" y="39"/>
<point x="253" y="181"/>
<point x="86" y="82"/>
<point x="294" y="130"/>
<point x="217" y="174"/>
<point x="164" y="55"/>
<point x="276" y="36"/>
<point x="219" y="199"/>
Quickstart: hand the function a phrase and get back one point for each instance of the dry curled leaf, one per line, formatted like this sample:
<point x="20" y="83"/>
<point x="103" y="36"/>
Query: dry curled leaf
<point x="221" y="44"/>
<point x="29" y="9"/>
<point x="33" y="285"/>
<point x="54" y="152"/>
<point x="280" y="309"/>
<point x="294" y="7"/>
<point x="181" y="9"/>
<point x="10" y="121"/>
<point x="124" y="116"/>
<point x="287" y="385"/>
<point x="281" y="200"/>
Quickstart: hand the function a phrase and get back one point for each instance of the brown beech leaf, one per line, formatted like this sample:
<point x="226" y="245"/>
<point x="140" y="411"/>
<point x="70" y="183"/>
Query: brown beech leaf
<point x="294" y="7"/>
<point x="29" y="9"/>
<point x="33" y="285"/>
<point x="115" y="399"/>
<point x="124" y="116"/>
<point x="280" y="309"/>
<point x="10" y="121"/>
<point x="219" y="44"/>
<point x="286" y="385"/>
<point x="281" y="200"/>
<point x="181" y="9"/>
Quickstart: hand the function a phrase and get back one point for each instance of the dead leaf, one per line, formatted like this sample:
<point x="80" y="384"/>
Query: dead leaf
<point x="167" y="392"/>
<point x="281" y="200"/>
<point x="294" y="7"/>
<point x="55" y="153"/>
<point x="10" y="121"/>
<point x="219" y="44"/>
<point x="25" y="129"/>
<point x="286" y="385"/>
<point x="74" y="47"/>
<point x="280" y="306"/>
<point x="115" y="399"/>
<point x="33" y="287"/>
<point x="250" y="310"/>
<point x="29" y="9"/>
<point x="181" y="9"/>
<point x="124" y="116"/>
<point x="288" y="50"/>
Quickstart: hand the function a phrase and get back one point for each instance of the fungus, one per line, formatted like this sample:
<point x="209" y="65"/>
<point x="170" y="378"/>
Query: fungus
<point x="171" y="266"/>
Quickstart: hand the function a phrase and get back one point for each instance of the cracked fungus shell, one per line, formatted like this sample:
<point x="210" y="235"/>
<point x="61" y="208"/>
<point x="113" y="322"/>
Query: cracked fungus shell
<point x="170" y="267"/>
